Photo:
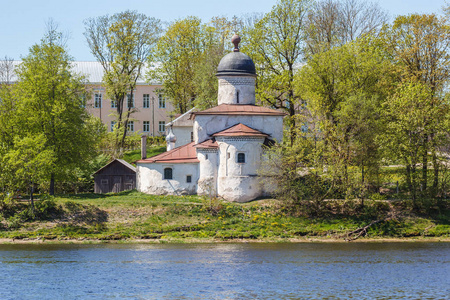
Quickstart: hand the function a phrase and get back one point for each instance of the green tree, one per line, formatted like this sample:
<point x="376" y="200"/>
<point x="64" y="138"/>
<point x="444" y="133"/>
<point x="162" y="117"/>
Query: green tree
<point x="344" y="87"/>
<point x="419" y="47"/>
<point x="122" y="43"/>
<point x="49" y="110"/>
<point x="413" y="116"/>
<point x="178" y="51"/>
<point x="276" y="45"/>
<point x="215" y="44"/>
<point x="186" y="60"/>
<point x="29" y="162"/>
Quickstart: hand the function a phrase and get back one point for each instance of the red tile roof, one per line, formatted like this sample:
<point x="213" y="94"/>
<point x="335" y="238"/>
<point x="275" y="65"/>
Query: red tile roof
<point x="209" y="144"/>
<point x="240" y="109"/>
<point x="182" y="154"/>
<point x="240" y="130"/>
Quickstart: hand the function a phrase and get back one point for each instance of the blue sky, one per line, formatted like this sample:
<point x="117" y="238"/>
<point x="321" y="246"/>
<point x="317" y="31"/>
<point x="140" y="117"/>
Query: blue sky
<point x="22" y="22"/>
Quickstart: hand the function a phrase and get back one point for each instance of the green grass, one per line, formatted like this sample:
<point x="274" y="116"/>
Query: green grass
<point x="134" y="155"/>
<point x="132" y="215"/>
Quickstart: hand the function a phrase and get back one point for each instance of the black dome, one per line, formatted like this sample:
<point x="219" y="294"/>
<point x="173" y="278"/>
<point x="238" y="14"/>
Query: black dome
<point x="236" y="63"/>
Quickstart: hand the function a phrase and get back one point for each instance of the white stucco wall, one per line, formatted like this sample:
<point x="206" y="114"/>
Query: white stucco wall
<point x="207" y="182"/>
<point x="206" y="125"/>
<point x="233" y="87"/>
<point x="239" y="181"/>
<point x="183" y="135"/>
<point x="149" y="179"/>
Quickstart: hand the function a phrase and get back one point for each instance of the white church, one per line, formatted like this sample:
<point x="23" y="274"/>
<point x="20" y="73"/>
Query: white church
<point x="217" y="151"/>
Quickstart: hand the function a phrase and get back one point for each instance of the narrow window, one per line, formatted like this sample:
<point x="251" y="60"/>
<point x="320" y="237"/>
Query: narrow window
<point x="237" y="97"/>
<point x="130" y="98"/>
<point x="146" y="126"/>
<point x="98" y="100"/>
<point x="192" y="136"/>
<point x="113" y="123"/>
<point x="162" y="126"/>
<point x="113" y="104"/>
<point x="168" y="173"/>
<point x="206" y="156"/>
<point x="146" y="101"/>
<point x="241" y="158"/>
<point x="188" y="178"/>
<point x="130" y="126"/>
<point x="162" y="101"/>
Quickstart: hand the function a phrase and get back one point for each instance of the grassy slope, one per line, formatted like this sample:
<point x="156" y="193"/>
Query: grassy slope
<point x="132" y="156"/>
<point x="133" y="215"/>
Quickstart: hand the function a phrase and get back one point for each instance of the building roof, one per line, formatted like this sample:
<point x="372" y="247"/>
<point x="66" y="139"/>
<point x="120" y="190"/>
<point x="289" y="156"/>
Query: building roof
<point x="183" y="120"/>
<point x="236" y="64"/>
<point x="123" y="162"/>
<point x="208" y="144"/>
<point x="240" y="130"/>
<point x="240" y="109"/>
<point x="182" y="154"/>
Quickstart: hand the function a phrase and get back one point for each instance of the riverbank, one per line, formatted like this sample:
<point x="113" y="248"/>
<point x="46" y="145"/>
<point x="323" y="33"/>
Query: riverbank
<point x="133" y="217"/>
<point x="215" y="241"/>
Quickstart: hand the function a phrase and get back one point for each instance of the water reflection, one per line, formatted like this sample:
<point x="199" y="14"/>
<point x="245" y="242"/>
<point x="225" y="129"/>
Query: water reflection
<point x="226" y="271"/>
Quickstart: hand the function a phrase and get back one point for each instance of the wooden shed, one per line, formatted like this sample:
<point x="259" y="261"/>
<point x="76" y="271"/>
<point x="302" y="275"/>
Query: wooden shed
<point x="115" y="177"/>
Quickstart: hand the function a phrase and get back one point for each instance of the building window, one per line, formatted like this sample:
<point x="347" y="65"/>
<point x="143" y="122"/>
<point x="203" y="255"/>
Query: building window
<point x="168" y="173"/>
<point x="146" y="101"/>
<point x="113" y="123"/>
<point x="192" y="136"/>
<point x="98" y="100"/>
<point x="130" y="126"/>
<point x="162" y="126"/>
<point x="104" y="181"/>
<point x="189" y="178"/>
<point x="130" y="100"/>
<point x="241" y="158"/>
<point x="113" y="104"/>
<point x="146" y="126"/>
<point x="162" y="101"/>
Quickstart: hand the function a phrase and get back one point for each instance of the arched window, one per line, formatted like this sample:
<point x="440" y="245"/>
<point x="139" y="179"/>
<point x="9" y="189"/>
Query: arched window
<point x="241" y="158"/>
<point x="168" y="173"/>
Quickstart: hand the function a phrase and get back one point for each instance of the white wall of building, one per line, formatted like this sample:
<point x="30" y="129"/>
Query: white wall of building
<point x="150" y="178"/>
<point x="239" y="181"/>
<point x="236" y="90"/>
<point x="183" y="134"/>
<point x="209" y="163"/>
<point x="206" y="125"/>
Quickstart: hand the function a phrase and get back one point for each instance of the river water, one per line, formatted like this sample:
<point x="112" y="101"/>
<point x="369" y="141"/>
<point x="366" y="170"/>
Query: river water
<point x="226" y="271"/>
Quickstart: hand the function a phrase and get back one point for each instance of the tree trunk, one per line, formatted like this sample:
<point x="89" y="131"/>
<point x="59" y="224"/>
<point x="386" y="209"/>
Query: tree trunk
<point x="31" y="198"/>
<point x="425" y="166"/>
<point x="436" y="173"/>
<point x="52" y="184"/>
<point x="410" y="182"/>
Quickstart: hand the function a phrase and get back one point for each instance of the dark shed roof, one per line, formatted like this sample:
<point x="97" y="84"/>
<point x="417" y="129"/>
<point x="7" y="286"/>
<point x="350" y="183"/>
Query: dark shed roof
<point x="121" y="161"/>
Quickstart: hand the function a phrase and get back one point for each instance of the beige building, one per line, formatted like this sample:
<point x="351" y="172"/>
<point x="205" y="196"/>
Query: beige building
<point x="150" y="109"/>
